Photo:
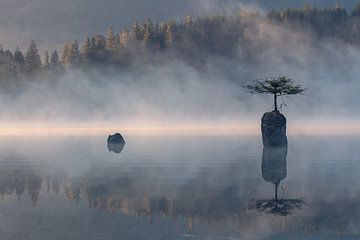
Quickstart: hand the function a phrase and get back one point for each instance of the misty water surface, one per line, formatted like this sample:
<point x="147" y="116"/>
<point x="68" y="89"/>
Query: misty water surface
<point x="176" y="187"/>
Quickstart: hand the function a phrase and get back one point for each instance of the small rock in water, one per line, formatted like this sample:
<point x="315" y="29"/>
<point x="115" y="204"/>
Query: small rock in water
<point x="115" y="143"/>
<point x="116" y="139"/>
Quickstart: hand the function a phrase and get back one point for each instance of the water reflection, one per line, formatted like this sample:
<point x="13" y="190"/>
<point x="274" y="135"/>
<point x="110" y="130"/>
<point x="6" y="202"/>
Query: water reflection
<point x="133" y="195"/>
<point x="281" y="207"/>
<point x="209" y="196"/>
<point x="206" y="193"/>
<point x="274" y="170"/>
<point x="115" y="147"/>
<point x="273" y="166"/>
<point x="18" y="179"/>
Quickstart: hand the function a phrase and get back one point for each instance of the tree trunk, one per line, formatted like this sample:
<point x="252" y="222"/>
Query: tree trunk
<point x="275" y="102"/>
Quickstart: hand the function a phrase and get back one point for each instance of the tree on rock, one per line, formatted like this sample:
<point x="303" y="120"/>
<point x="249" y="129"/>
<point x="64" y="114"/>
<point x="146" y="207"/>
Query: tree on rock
<point x="278" y="86"/>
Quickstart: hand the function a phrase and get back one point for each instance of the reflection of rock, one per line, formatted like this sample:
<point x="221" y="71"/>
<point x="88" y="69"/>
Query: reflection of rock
<point x="273" y="128"/>
<point x="274" y="170"/>
<point x="115" y="143"/>
<point x="274" y="165"/>
<point x="114" y="147"/>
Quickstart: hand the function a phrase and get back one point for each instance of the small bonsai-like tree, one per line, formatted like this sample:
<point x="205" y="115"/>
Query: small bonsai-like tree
<point x="278" y="86"/>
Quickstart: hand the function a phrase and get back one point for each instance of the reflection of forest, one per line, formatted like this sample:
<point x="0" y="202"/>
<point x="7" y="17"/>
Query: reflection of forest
<point x="18" y="179"/>
<point x="125" y="194"/>
<point x="198" y="200"/>
<point x="136" y="199"/>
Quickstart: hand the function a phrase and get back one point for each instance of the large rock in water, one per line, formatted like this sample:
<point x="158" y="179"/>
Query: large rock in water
<point x="273" y="129"/>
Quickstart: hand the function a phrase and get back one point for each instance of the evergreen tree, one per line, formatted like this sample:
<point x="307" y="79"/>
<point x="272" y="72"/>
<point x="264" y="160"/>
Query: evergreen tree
<point x="136" y="32"/>
<point x="19" y="60"/>
<point x="148" y="32"/>
<point x="124" y="38"/>
<point x="98" y="42"/>
<point x="32" y="58"/>
<point x="70" y="56"/>
<point x="76" y="51"/>
<point x="7" y="64"/>
<point x="169" y="33"/>
<point x="46" y="60"/>
<point x="86" y="47"/>
<point x="111" y="42"/>
<point x="54" y="61"/>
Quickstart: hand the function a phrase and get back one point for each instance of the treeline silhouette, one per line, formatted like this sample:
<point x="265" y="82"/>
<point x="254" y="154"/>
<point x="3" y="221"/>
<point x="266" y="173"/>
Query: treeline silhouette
<point x="191" y="40"/>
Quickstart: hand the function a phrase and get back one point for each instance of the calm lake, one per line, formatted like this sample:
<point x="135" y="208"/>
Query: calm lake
<point x="178" y="187"/>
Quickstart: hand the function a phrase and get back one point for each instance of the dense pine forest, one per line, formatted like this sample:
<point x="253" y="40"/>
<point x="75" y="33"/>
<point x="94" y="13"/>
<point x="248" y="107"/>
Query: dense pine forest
<point x="191" y="40"/>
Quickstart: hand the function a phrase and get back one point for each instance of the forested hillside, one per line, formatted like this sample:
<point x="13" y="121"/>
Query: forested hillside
<point x="191" y="40"/>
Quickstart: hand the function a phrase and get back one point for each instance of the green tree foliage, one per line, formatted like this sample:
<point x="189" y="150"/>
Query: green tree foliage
<point x="278" y="86"/>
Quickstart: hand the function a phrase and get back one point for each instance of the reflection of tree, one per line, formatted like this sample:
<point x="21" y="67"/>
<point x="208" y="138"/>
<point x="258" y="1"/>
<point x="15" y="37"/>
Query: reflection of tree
<point x="194" y="201"/>
<point x="274" y="170"/>
<point x="34" y="186"/>
<point x="72" y="189"/>
<point x="281" y="207"/>
<point x="55" y="183"/>
<point x="6" y="185"/>
<point x="10" y="183"/>
<point x="206" y="198"/>
<point x="20" y="183"/>
<point x="18" y="178"/>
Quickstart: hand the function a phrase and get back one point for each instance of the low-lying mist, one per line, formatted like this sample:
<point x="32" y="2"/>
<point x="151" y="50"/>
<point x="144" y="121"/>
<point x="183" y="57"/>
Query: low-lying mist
<point x="173" y="92"/>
